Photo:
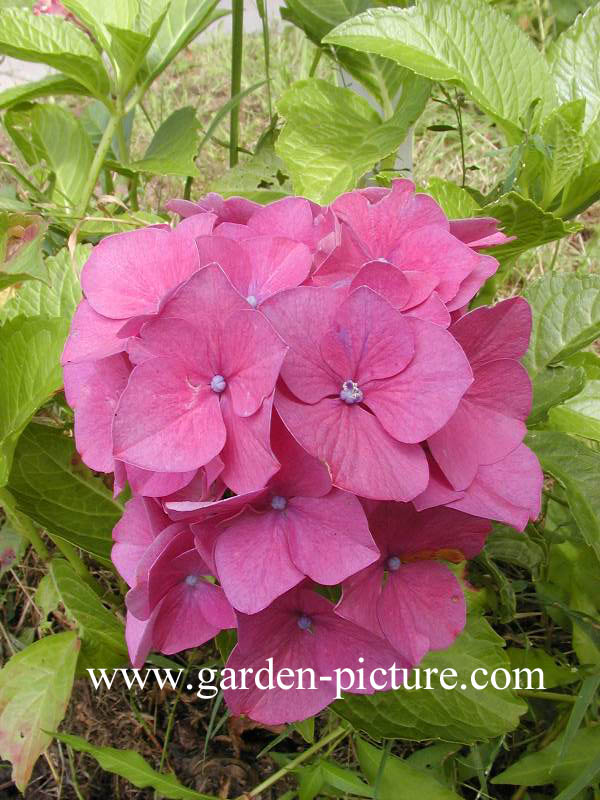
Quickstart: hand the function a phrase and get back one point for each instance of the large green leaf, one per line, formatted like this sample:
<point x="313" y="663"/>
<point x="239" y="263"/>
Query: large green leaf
<point x="185" y="19"/>
<point x="581" y="191"/>
<point x="399" y="780"/>
<point x="173" y="147"/>
<point x="461" y="715"/>
<point x="464" y="42"/>
<point x="561" y="134"/>
<point x="262" y="178"/>
<point x="546" y="766"/>
<point x="51" y="485"/>
<point x="29" y="374"/>
<point x="131" y="766"/>
<point x="102" y="634"/>
<point x="35" y="686"/>
<point x="575" y="61"/>
<point x="332" y="137"/>
<point x="576" y="467"/>
<point x="59" y="298"/>
<point x="51" y="85"/>
<point x="527" y="222"/>
<point x="551" y="386"/>
<point x="581" y="414"/>
<point x="456" y="202"/>
<point x="49" y="40"/>
<point x="566" y="317"/>
<point x="26" y="261"/>
<point x="68" y="151"/>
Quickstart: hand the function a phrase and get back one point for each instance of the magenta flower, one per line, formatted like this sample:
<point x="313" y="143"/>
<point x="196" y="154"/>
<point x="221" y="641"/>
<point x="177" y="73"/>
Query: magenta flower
<point x="408" y="597"/>
<point x="364" y="385"/>
<point x="203" y="385"/>
<point x="142" y="521"/>
<point x="173" y="604"/>
<point x="50" y="7"/>
<point x="409" y="231"/>
<point x="300" y="630"/>
<point x="235" y="209"/>
<point x="296" y="526"/>
<point x="489" y="422"/>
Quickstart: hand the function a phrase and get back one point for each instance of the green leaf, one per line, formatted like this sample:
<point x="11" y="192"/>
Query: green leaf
<point x="185" y="19"/>
<point x="262" y="178"/>
<point x="30" y="373"/>
<point x="575" y="62"/>
<point x="561" y="134"/>
<point x="581" y="414"/>
<point x="27" y="261"/>
<point x="332" y="136"/>
<point x="566" y="317"/>
<point x="576" y="467"/>
<point x="399" y="780"/>
<point x="535" y="658"/>
<point x="12" y="547"/>
<point x="459" y="715"/>
<point x="35" y="686"/>
<point x="581" y="192"/>
<point x="464" y="42"/>
<point x="531" y="225"/>
<point x="102" y="634"/>
<point x="551" y="386"/>
<point x="46" y="596"/>
<point x="50" y="86"/>
<point x="52" y="486"/>
<point x="545" y="766"/>
<point x="173" y="147"/>
<point x="131" y="766"/>
<point x="344" y="780"/>
<point x="47" y="39"/>
<point x="507" y="545"/>
<point x="588" y="361"/>
<point x="456" y="203"/>
<point x="60" y="136"/>
<point x="60" y="298"/>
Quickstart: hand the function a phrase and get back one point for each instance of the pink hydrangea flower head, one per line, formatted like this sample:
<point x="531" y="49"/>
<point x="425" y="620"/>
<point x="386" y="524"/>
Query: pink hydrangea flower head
<point x="202" y="386"/>
<point x="50" y="7"/>
<point x="364" y="385"/>
<point x="489" y="422"/>
<point x="297" y="526"/>
<point x="409" y="231"/>
<point x="408" y="596"/>
<point x="301" y="630"/>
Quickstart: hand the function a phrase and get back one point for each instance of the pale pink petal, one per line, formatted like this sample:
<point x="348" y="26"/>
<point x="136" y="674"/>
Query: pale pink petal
<point x="275" y="263"/>
<point x="93" y="389"/>
<point x="164" y="423"/>
<point x="141" y="522"/>
<point x="361" y="456"/>
<point x="157" y="484"/>
<point x="419" y="400"/>
<point x="92" y="336"/>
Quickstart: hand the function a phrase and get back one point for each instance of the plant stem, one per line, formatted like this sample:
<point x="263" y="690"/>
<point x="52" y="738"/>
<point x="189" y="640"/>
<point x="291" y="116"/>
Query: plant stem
<point x="315" y="62"/>
<point x="339" y="733"/>
<point x="543" y="695"/>
<point x="264" y="18"/>
<point x="97" y="163"/>
<point x="237" y="51"/>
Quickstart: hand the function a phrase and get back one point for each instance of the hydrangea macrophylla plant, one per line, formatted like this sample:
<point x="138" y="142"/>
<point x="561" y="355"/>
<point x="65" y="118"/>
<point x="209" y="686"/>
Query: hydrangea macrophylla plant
<point x="298" y="398"/>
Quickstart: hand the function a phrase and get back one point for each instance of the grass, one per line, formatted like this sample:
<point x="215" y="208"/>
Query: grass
<point x="207" y="755"/>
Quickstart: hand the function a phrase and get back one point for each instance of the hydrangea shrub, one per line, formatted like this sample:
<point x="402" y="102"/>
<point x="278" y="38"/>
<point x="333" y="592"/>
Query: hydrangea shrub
<point x="304" y="408"/>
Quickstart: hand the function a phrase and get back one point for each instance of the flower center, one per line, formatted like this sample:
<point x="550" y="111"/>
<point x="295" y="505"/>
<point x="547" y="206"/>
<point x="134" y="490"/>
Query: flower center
<point x="304" y="622"/>
<point x="350" y="393"/>
<point x="192" y="580"/>
<point x="393" y="563"/>
<point x="218" y="384"/>
<point x="278" y="502"/>
<point x="252" y="299"/>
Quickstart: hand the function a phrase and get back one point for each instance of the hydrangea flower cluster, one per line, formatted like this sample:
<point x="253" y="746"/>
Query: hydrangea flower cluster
<point x="304" y="409"/>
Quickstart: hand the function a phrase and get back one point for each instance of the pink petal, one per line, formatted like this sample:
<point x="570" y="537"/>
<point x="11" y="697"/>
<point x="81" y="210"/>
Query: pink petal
<point x="438" y="492"/>
<point x="250" y="359"/>
<point x="300" y="473"/>
<point x="345" y="260"/>
<point x="492" y="332"/>
<point x="249" y="461"/>
<point x="383" y="278"/>
<point x="302" y="316"/>
<point x="93" y="389"/>
<point x="419" y="400"/>
<point x="328" y="537"/>
<point x="508" y="491"/>
<point x="275" y="264"/>
<point x="361" y="456"/>
<point x="164" y="423"/>
<point x="127" y="274"/>
<point x="360" y="595"/>
<point x="139" y="637"/>
<point x="421" y="608"/>
<point x="478" y="232"/>
<point x="367" y="340"/>
<point x="92" y="336"/>
<point x="253" y="560"/>
<point x="141" y="522"/>
<point x="432" y="310"/>
<point x="485" y="267"/>
<point x="157" y="484"/>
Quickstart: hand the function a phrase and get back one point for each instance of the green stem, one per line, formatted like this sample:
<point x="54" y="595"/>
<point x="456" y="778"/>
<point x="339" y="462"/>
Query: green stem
<point x="555" y="697"/>
<point x="97" y="163"/>
<point x="339" y="733"/>
<point x="237" y="50"/>
<point x="264" y="18"/>
<point x="315" y="62"/>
